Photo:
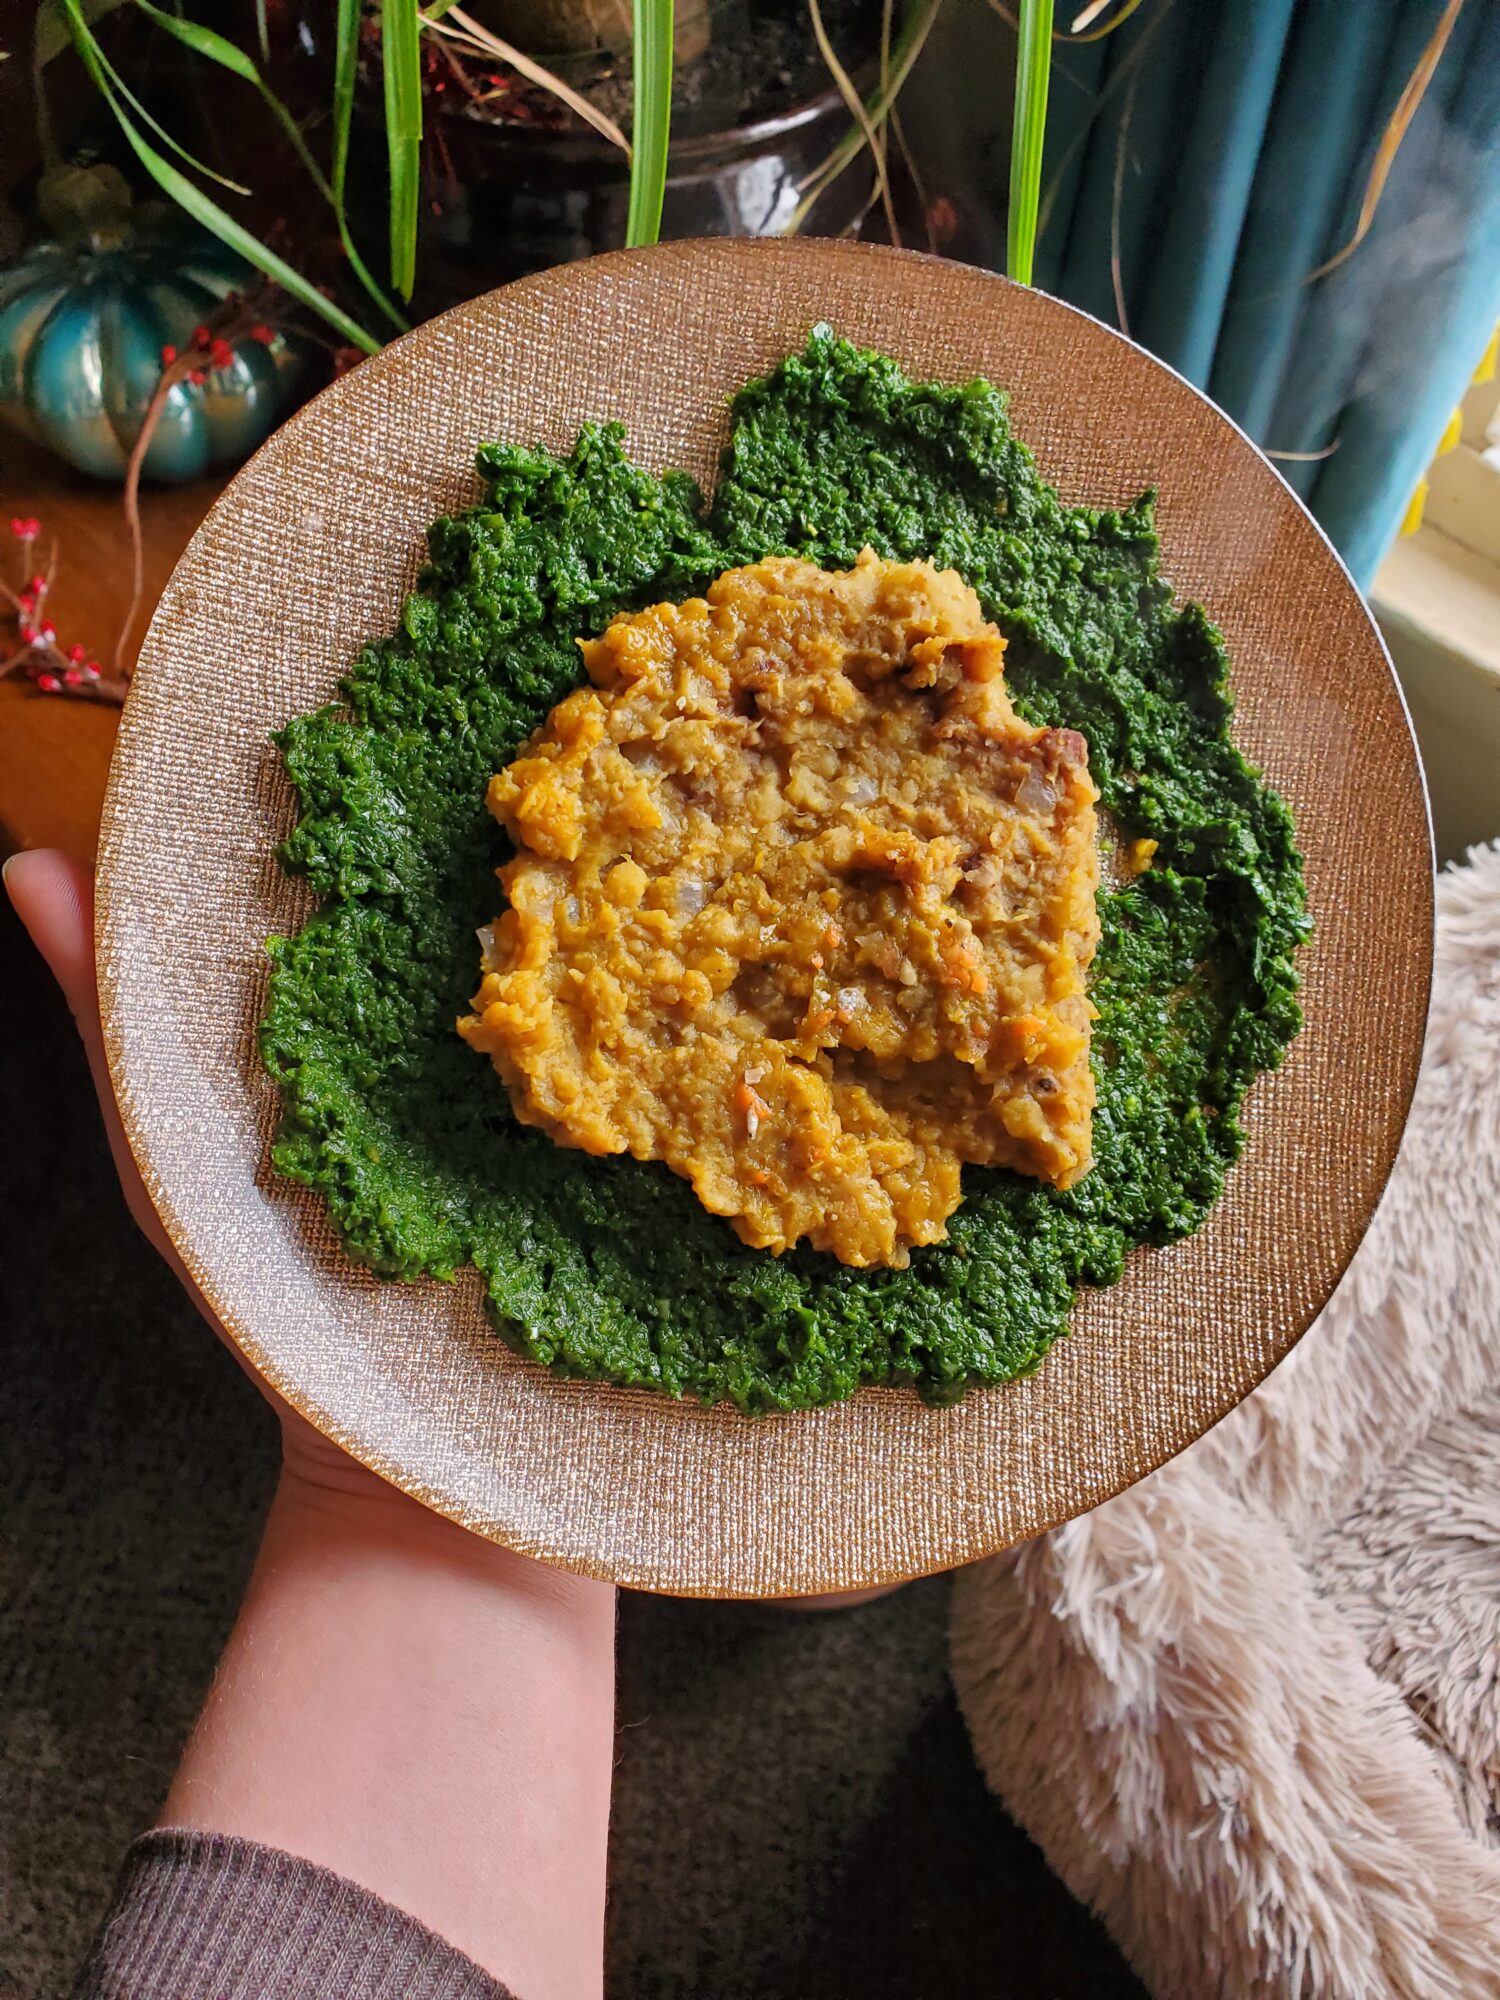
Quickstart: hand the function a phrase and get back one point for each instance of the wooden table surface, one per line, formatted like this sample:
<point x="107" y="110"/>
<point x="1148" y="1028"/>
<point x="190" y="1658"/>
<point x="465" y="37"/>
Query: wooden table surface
<point x="54" y="752"/>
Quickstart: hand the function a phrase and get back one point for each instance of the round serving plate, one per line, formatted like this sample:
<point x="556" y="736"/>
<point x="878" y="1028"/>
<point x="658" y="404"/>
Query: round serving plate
<point x="310" y="551"/>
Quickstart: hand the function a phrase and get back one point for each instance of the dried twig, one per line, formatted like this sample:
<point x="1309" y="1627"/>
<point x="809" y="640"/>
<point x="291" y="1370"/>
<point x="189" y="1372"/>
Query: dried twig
<point x="457" y="26"/>
<point x="1082" y="22"/>
<point x="1390" y="139"/>
<point x="40" y="655"/>
<point x="873" y="133"/>
<point x="1116" y="271"/>
<point x="241" y="317"/>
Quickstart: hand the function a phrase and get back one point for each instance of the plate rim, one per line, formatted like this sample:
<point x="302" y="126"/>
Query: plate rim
<point x="115" y="814"/>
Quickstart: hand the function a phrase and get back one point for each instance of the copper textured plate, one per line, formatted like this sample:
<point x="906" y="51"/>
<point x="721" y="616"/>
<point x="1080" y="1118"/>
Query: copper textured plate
<point x="310" y="551"/>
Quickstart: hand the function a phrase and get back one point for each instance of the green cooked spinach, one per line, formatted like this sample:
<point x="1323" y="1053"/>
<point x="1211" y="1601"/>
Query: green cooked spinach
<point x="609" y="1267"/>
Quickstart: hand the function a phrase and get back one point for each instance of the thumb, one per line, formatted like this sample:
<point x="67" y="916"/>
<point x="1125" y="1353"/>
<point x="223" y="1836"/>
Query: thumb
<point x="54" y="898"/>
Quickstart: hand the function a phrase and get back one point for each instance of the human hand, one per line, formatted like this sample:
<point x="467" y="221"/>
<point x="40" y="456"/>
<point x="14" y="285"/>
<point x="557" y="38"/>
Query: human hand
<point x="54" y="899"/>
<point x="401" y="1701"/>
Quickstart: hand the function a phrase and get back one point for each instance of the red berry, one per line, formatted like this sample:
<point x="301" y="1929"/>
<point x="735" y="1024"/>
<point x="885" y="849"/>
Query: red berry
<point x="75" y="654"/>
<point x="168" y="355"/>
<point x="27" y="603"/>
<point x="201" y="336"/>
<point x="221" y="354"/>
<point x="91" y="671"/>
<point x="48" y="683"/>
<point x="197" y="376"/>
<point x="38" y="586"/>
<point x="72" y="678"/>
<point x="261" y="332"/>
<point x="33" y="527"/>
<point x="47" y="634"/>
<point x="17" y="526"/>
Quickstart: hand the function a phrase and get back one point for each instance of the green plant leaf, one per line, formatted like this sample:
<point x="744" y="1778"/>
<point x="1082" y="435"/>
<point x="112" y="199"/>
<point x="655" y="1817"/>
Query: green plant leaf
<point x="1033" y="67"/>
<point x="401" y="62"/>
<point x="205" y="212"/>
<point x="213" y="47"/>
<point x="104" y="70"/>
<point x="651" y="124"/>
<point x="203" y="42"/>
<point x="262" y="30"/>
<point x="53" y="32"/>
<point x="345" y="75"/>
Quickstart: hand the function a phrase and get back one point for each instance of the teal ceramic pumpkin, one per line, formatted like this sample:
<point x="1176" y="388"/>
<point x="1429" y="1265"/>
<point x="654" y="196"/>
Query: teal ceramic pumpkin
<point x="82" y="327"/>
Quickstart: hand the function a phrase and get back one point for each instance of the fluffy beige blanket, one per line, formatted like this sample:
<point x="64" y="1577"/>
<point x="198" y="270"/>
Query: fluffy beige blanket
<point x="1251" y="1708"/>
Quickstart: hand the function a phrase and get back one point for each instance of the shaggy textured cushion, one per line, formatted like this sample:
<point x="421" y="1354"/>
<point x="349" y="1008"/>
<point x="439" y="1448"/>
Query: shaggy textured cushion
<point x="1251" y="1709"/>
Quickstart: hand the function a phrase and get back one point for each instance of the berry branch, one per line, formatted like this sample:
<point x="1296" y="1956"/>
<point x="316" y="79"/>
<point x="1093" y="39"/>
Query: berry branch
<point x="239" y="318"/>
<point x="39" y="654"/>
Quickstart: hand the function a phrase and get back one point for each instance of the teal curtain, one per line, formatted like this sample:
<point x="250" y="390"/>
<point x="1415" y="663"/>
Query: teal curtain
<point x="1206" y="158"/>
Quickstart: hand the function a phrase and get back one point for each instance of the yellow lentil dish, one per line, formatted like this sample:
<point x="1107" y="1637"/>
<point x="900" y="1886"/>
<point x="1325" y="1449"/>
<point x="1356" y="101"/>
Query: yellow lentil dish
<point x="801" y="907"/>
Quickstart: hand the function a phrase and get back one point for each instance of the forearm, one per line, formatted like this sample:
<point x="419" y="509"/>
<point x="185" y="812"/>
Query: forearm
<point x="427" y="1716"/>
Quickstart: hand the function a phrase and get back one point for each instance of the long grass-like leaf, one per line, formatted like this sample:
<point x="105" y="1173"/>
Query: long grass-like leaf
<point x="1081" y="22"/>
<point x="262" y="30"/>
<point x="1117" y="207"/>
<point x="213" y="47"/>
<point x="855" y="104"/>
<point x="401" y="62"/>
<point x="87" y="44"/>
<point x="1121" y="71"/>
<point x="1033" y="66"/>
<point x="904" y="52"/>
<point x="914" y="172"/>
<point x="467" y="33"/>
<point x="1390" y="139"/>
<point x="53" y="31"/>
<point x="345" y="76"/>
<point x="651" y="122"/>
<point x="1083" y="29"/>
<point x="178" y="188"/>
<point x="205" y="42"/>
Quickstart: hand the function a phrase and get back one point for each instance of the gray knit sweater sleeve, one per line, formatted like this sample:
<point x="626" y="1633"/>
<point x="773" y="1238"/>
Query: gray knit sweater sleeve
<point x="198" y="1914"/>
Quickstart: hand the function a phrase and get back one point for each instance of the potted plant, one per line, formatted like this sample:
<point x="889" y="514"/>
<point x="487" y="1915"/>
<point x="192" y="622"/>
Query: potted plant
<point x="516" y="176"/>
<point x="444" y="148"/>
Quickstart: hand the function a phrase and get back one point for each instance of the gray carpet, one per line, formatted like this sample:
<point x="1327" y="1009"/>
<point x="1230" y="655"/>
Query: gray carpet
<point x="797" y="1811"/>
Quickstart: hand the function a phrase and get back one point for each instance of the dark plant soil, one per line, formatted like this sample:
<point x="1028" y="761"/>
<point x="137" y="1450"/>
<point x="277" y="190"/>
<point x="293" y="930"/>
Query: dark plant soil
<point x="761" y="60"/>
